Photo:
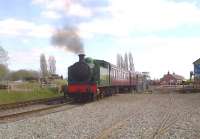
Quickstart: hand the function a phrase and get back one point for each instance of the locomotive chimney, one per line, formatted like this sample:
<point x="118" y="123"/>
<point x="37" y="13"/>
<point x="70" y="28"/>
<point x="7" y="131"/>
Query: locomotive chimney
<point x="81" y="57"/>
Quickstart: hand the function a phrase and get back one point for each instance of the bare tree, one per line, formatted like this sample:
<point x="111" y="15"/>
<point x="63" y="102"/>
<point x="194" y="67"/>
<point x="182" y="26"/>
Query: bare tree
<point x="52" y="65"/>
<point x="3" y="72"/>
<point x="126" y="61"/>
<point x="121" y="62"/>
<point x="131" y="64"/>
<point x="43" y="65"/>
<point x="118" y="60"/>
<point x="3" y="56"/>
<point x="3" y="63"/>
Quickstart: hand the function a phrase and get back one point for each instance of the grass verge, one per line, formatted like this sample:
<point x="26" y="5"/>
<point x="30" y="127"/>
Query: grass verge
<point x="14" y="96"/>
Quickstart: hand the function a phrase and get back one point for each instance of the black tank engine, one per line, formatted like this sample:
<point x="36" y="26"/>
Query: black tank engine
<point x="80" y="71"/>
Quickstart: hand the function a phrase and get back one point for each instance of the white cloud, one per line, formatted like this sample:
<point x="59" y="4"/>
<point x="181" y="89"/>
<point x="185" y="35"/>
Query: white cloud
<point x="14" y="27"/>
<point x="57" y="5"/>
<point x="155" y="14"/>
<point x="66" y="7"/>
<point x="102" y="27"/>
<point x="129" y="16"/>
<point x="51" y="14"/>
<point x="79" y="10"/>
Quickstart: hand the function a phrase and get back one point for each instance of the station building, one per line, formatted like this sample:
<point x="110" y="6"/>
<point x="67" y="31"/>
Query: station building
<point x="172" y="79"/>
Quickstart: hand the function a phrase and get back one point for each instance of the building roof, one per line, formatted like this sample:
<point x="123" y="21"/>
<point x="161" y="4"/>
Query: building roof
<point x="197" y="61"/>
<point x="178" y="77"/>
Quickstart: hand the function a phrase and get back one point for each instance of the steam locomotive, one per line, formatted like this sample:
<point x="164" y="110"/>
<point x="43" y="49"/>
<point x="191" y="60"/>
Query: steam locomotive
<point x="91" y="79"/>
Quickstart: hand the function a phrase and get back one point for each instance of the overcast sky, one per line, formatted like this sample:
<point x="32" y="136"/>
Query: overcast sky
<point x="163" y="35"/>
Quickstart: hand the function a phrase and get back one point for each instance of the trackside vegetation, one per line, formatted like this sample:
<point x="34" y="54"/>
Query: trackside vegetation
<point x="19" y="96"/>
<point x="25" y="91"/>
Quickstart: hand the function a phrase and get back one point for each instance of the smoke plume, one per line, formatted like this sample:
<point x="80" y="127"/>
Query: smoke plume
<point x="69" y="39"/>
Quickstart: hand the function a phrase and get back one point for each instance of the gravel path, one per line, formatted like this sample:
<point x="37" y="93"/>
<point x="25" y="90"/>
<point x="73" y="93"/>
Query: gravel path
<point x="122" y="116"/>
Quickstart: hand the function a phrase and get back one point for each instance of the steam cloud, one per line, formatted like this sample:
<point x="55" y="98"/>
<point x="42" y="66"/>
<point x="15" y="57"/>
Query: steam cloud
<point x="69" y="39"/>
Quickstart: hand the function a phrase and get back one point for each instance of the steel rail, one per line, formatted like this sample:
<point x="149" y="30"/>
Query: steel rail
<point x="27" y="103"/>
<point x="20" y="114"/>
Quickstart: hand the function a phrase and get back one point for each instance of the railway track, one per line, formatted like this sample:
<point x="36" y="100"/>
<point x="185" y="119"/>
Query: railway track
<point x="16" y="111"/>
<point x="117" y="125"/>
<point x="27" y="103"/>
<point x="106" y="133"/>
<point x="168" y="120"/>
<point x="22" y="110"/>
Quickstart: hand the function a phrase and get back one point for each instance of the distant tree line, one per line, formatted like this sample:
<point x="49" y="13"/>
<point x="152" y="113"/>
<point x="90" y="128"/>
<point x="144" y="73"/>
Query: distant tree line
<point x="125" y="62"/>
<point x="23" y="74"/>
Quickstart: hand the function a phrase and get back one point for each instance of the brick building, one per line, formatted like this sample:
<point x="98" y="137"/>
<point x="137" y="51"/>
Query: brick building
<point x="171" y="79"/>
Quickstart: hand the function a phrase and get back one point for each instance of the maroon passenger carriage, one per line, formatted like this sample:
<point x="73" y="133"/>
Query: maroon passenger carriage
<point x="122" y="80"/>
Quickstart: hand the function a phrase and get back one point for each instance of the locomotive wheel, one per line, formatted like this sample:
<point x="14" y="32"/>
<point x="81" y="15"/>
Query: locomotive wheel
<point x="111" y="92"/>
<point x="98" y="97"/>
<point x="94" y="97"/>
<point x="98" y="94"/>
<point x="76" y="99"/>
<point x="90" y="97"/>
<point x="65" y="95"/>
<point x="101" y="95"/>
<point x="64" y="89"/>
